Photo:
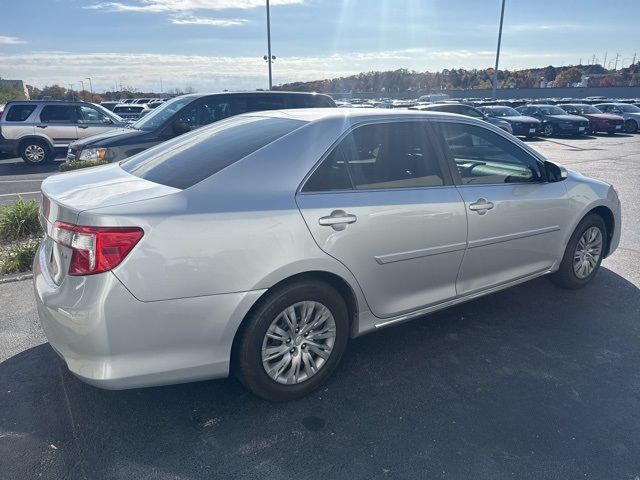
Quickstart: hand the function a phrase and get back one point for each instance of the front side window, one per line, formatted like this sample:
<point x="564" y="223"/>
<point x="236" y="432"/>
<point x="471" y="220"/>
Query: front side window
<point x="58" y="114"/>
<point x="470" y="112"/>
<point x="88" y="115"/>
<point x="19" y="113"/>
<point x="162" y="114"/>
<point x="204" y="113"/>
<point x="380" y="156"/>
<point x="484" y="157"/>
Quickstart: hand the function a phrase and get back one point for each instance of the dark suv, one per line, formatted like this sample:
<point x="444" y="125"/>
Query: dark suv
<point x="183" y="114"/>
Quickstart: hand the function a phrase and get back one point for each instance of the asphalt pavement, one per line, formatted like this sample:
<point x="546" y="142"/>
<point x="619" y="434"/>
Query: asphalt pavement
<point x="20" y="180"/>
<point x="530" y="383"/>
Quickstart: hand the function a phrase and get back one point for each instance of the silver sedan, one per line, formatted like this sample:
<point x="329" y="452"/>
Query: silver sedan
<point x="262" y="243"/>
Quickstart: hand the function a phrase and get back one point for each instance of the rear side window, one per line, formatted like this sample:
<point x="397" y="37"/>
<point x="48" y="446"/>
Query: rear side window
<point x="19" y="113"/>
<point x="309" y="101"/>
<point x="189" y="159"/>
<point x="58" y="114"/>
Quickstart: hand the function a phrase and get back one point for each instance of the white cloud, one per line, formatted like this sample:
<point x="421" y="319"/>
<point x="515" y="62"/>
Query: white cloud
<point x="215" y="22"/>
<point x="4" y="40"/>
<point x="213" y="73"/>
<point x="159" y="6"/>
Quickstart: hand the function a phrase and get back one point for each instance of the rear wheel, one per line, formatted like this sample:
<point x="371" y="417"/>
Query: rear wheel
<point x="583" y="254"/>
<point x="548" y="130"/>
<point x="630" y="126"/>
<point x="293" y="341"/>
<point x="35" y="152"/>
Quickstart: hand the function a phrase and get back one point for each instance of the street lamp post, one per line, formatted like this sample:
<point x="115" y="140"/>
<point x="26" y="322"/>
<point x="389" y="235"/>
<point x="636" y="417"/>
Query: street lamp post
<point x="82" y="83"/>
<point x="73" y="97"/>
<point x="90" y="86"/>
<point x="269" y="57"/>
<point x="495" y="71"/>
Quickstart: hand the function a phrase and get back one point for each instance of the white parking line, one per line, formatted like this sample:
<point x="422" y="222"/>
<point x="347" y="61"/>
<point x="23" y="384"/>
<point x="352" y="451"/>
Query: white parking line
<point x="19" y="193"/>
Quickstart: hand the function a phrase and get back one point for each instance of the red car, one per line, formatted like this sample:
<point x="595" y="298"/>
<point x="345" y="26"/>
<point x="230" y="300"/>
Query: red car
<point x="598" y="121"/>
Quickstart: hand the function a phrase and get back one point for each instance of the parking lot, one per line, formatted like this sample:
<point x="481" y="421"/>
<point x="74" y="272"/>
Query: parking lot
<point x="530" y="383"/>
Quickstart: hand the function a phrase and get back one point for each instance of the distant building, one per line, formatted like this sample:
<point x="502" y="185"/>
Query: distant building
<point x="15" y="84"/>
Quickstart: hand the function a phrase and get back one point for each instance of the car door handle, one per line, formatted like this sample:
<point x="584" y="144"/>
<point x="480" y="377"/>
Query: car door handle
<point x="338" y="220"/>
<point x="42" y="126"/>
<point x="481" y="206"/>
<point x="84" y="127"/>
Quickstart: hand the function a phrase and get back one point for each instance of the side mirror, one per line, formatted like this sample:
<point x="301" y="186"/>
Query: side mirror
<point x="555" y="172"/>
<point x="107" y="121"/>
<point x="180" y="127"/>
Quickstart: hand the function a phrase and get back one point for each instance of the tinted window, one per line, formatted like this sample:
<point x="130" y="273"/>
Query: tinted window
<point x="332" y="174"/>
<point x="380" y="156"/>
<point x="58" y="114"/>
<point x="309" y="101"/>
<point x="19" y="113"/>
<point x="162" y="114"/>
<point x="484" y="157"/>
<point x="203" y="113"/>
<point x="189" y="159"/>
<point x="470" y="112"/>
<point x="91" y="115"/>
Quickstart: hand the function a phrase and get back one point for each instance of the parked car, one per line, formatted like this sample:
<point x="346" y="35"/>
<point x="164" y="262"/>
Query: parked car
<point x="36" y="130"/>
<point x="467" y="111"/>
<point x="183" y="114"/>
<point x="555" y="121"/>
<point x="261" y="243"/>
<point x="144" y="101"/>
<point x="520" y="124"/>
<point x="630" y="113"/>
<point x="130" y="111"/>
<point x="109" y="105"/>
<point x="598" y="121"/>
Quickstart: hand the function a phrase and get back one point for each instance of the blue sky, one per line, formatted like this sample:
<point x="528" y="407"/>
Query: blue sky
<point x="215" y="44"/>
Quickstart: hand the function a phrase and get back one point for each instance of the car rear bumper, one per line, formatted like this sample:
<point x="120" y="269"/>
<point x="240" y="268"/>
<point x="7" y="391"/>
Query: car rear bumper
<point x="111" y="340"/>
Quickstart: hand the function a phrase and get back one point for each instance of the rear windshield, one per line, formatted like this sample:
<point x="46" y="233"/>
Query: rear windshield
<point x="19" y="113"/>
<point x="190" y="158"/>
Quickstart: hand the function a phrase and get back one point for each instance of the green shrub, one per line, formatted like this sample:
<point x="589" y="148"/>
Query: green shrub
<point x="76" y="164"/>
<point x="18" y="257"/>
<point x="20" y="220"/>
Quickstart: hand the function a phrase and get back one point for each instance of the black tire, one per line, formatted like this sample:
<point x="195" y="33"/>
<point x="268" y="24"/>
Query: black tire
<point x="566" y="277"/>
<point x="247" y="361"/>
<point x="630" y="126"/>
<point x="35" y="152"/>
<point x="549" y="130"/>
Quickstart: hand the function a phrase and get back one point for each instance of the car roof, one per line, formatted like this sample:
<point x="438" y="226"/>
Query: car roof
<point x="351" y="115"/>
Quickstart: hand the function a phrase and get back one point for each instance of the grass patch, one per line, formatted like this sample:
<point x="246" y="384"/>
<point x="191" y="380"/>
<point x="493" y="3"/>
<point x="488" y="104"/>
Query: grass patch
<point x="20" y="220"/>
<point x="76" y="164"/>
<point x="18" y="257"/>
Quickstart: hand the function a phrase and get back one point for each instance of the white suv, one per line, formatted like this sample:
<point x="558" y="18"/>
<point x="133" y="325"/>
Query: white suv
<point x="35" y="130"/>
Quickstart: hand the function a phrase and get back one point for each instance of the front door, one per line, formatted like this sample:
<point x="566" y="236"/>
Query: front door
<point x="382" y="204"/>
<point x="92" y="121"/>
<point x="516" y="220"/>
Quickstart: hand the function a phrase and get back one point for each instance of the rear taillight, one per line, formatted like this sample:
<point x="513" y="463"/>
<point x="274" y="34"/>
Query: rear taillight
<point x="95" y="249"/>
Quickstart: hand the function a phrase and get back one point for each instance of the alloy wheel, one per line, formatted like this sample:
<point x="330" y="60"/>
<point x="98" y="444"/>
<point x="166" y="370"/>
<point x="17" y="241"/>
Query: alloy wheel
<point x="298" y="342"/>
<point x="587" y="253"/>
<point x="35" y="153"/>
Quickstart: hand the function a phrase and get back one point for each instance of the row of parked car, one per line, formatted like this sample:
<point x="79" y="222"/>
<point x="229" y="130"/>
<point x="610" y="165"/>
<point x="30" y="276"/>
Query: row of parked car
<point x="37" y="130"/>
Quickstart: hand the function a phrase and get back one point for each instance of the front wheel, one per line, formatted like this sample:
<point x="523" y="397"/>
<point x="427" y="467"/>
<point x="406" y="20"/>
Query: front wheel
<point x="630" y="126"/>
<point x="583" y="254"/>
<point x="293" y="341"/>
<point x="548" y="130"/>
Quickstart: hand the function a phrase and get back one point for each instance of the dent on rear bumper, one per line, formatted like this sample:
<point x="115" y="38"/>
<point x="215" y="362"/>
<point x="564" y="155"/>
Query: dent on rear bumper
<point x="110" y="339"/>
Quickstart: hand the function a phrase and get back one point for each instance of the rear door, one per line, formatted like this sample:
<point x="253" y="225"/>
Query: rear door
<point x="383" y="204"/>
<point x="17" y="121"/>
<point x="516" y="219"/>
<point x="91" y="121"/>
<point x="59" y="123"/>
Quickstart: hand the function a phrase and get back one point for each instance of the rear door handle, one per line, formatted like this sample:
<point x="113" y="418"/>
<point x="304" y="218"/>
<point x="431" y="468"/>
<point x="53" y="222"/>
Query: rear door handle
<point x="338" y="220"/>
<point x="482" y="205"/>
<point x="84" y="127"/>
<point x="41" y="126"/>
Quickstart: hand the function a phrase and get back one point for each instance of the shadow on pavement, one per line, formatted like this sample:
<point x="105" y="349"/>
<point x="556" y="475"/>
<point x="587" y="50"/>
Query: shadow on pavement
<point x="518" y="384"/>
<point x="15" y="166"/>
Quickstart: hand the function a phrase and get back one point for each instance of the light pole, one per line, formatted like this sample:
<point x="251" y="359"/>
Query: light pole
<point x="495" y="71"/>
<point x="82" y="83"/>
<point x="73" y="97"/>
<point x="269" y="57"/>
<point x="90" y="86"/>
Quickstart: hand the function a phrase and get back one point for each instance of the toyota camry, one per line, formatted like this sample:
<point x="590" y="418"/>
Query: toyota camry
<point x="261" y="244"/>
